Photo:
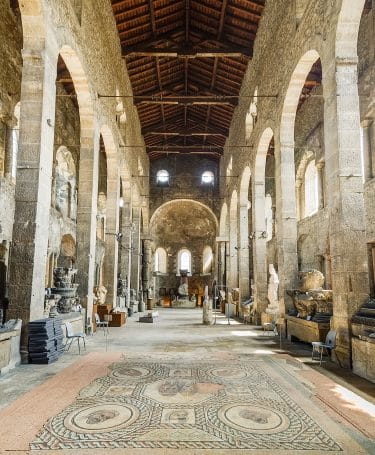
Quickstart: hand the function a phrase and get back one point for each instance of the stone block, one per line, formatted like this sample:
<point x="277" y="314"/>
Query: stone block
<point x="4" y="352"/>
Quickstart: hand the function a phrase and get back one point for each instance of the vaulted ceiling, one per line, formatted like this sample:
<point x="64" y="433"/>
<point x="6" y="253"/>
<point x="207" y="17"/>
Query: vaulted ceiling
<point x="186" y="61"/>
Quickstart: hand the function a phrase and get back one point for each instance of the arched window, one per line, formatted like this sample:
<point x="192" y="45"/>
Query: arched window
<point x="311" y="189"/>
<point x="160" y="260"/>
<point x="162" y="177"/>
<point x="184" y="261"/>
<point x="208" y="178"/>
<point x="207" y="260"/>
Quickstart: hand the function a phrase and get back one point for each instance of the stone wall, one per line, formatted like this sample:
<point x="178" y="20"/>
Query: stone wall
<point x="185" y="181"/>
<point x="10" y="70"/>
<point x="178" y="225"/>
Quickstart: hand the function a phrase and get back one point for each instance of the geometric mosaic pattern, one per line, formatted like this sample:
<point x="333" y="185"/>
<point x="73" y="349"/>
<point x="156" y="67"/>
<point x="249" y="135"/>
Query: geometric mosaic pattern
<point x="185" y="404"/>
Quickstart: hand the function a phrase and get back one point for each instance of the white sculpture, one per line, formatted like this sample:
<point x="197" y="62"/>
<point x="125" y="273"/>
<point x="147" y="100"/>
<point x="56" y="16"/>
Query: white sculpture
<point x="273" y="287"/>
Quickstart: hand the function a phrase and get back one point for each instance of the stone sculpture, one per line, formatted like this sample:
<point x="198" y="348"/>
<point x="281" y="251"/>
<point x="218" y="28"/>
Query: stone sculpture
<point x="183" y="290"/>
<point x="65" y="287"/>
<point x="311" y="301"/>
<point x="100" y="293"/>
<point x="273" y="287"/>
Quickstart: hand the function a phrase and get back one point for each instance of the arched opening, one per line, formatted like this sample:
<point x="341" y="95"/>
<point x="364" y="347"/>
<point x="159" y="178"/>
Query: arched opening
<point x="299" y="90"/>
<point x="263" y="183"/>
<point x="184" y="261"/>
<point x="160" y="260"/>
<point x="184" y="228"/>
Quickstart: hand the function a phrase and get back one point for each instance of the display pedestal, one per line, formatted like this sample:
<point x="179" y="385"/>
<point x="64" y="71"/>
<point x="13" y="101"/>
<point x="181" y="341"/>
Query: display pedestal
<point x="308" y="331"/>
<point x="117" y="319"/>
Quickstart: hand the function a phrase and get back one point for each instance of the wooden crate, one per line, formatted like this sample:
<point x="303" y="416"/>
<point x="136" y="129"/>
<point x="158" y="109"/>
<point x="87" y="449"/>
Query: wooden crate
<point x="117" y="319"/>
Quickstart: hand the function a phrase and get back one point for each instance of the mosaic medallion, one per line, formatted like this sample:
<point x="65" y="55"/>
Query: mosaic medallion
<point x="130" y="373"/>
<point x="180" y="391"/>
<point x="101" y="418"/>
<point x="253" y="419"/>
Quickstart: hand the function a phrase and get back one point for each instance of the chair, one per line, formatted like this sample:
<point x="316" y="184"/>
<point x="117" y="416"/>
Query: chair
<point x="270" y="327"/>
<point x="319" y="347"/>
<point x="103" y="324"/>
<point x="71" y="335"/>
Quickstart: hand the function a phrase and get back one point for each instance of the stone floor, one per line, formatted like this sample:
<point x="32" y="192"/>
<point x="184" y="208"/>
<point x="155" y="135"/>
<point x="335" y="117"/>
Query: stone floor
<point x="177" y="386"/>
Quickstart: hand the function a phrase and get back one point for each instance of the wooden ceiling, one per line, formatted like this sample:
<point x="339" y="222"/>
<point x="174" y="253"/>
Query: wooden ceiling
<point x="186" y="61"/>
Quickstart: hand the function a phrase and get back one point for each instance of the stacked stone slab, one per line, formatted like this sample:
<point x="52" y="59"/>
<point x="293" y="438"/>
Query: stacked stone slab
<point x="45" y="340"/>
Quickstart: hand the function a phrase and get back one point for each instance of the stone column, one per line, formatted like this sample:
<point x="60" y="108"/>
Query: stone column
<point x="110" y="265"/>
<point x="367" y="155"/>
<point x="286" y="222"/>
<point x="320" y="170"/>
<point x="350" y="281"/>
<point x="27" y="266"/>
<point x="300" y="201"/>
<point x="126" y="243"/>
<point x="135" y="251"/>
<point x="86" y="213"/>
<point x="243" y="268"/>
<point x="146" y="266"/>
<point x="259" y="243"/>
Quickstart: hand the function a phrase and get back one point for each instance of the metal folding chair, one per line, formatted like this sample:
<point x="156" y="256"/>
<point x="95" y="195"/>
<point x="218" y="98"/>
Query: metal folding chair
<point x="103" y="324"/>
<point x="71" y="336"/>
<point x="319" y="347"/>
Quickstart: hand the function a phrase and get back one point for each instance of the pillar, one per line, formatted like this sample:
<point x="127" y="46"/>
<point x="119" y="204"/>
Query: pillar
<point x="350" y="282"/>
<point x="286" y="222"/>
<point x="146" y="267"/>
<point x="33" y="189"/>
<point x="320" y="170"/>
<point x="135" y="251"/>
<point x="243" y="269"/>
<point x="259" y="244"/>
<point x="300" y="199"/>
<point x="110" y="265"/>
<point x="86" y="213"/>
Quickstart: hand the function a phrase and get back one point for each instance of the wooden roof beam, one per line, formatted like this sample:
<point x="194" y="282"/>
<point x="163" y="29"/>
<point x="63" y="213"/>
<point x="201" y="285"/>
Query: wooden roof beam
<point x="190" y="53"/>
<point x="187" y="100"/>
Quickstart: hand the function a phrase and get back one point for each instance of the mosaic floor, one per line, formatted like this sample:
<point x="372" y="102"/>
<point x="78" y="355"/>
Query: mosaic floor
<point x="190" y="404"/>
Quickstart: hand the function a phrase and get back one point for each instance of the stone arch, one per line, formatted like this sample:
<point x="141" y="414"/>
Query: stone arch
<point x="33" y="24"/>
<point x="259" y="216"/>
<point x="163" y="206"/>
<point x="233" y="240"/>
<point x="81" y="86"/>
<point x="347" y="29"/>
<point x="285" y="180"/>
<point x="293" y="94"/>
